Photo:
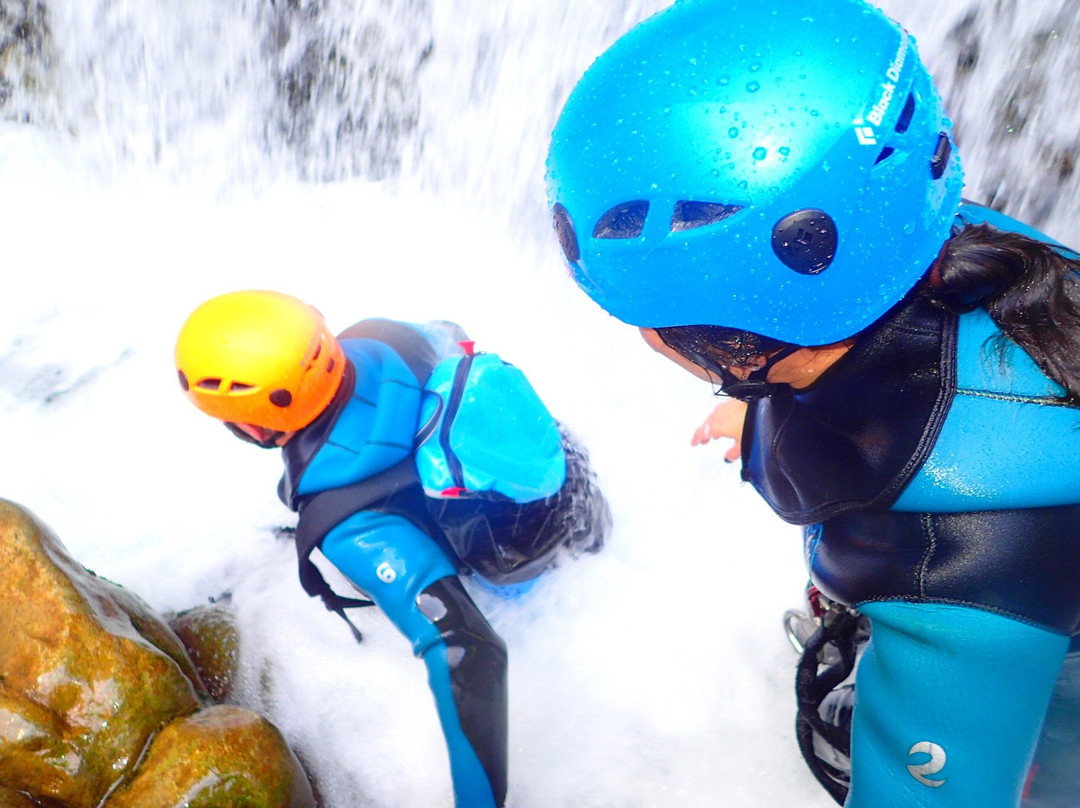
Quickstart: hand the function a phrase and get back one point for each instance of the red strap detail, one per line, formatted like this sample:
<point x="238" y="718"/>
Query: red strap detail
<point x="469" y="346"/>
<point x="1032" y="772"/>
<point x="453" y="491"/>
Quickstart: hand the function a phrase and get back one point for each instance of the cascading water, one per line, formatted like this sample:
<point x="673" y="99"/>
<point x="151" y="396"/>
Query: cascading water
<point x="460" y="96"/>
<point x="385" y="157"/>
<point x="317" y="89"/>
<point x="1008" y="72"/>
<point x="245" y="89"/>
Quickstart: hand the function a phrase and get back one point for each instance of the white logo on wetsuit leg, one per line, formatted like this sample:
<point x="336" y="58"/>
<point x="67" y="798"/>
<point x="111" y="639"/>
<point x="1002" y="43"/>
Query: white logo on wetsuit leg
<point x="386" y="573"/>
<point x="936" y="763"/>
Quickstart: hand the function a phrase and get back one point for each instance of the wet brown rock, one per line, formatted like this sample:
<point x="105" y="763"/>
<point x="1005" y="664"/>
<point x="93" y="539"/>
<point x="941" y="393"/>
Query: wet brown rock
<point x="13" y="799"/>
<point x="82" y="688"/>
<point x="217" y="757"/>
<point x="99" y="698"/>
<point x="210" y="636"/>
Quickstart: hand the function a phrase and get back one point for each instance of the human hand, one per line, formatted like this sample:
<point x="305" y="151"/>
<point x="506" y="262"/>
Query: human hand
<point x="725" y="421"/>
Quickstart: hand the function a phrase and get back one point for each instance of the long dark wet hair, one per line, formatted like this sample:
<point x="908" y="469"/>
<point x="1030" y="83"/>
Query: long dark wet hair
<point x="1030" y="288"/>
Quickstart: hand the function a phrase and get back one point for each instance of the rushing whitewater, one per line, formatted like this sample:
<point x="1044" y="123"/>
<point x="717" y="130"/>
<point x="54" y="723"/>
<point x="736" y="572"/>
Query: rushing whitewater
<point x="386" y="158"/>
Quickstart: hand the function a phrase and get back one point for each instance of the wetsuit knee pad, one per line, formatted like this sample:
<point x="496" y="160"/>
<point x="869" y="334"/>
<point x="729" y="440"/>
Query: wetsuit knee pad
<point x="950" y="701"/>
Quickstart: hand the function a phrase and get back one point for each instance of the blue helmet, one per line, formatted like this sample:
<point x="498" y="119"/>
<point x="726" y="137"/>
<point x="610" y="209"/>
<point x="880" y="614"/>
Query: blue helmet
<point x="777" y="166"/>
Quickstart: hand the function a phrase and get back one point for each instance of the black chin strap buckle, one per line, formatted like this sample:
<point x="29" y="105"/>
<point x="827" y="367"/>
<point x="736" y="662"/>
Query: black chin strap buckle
<point x="750" y="389"/>
<point x="756" y="384"/>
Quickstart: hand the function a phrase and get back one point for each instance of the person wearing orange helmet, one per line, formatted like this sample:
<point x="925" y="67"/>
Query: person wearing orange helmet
<point x="353" y="414"/>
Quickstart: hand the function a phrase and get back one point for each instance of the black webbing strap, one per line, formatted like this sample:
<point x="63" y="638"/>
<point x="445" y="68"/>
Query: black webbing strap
<point x="320" y="513"/>
<point x="812" y="685"/>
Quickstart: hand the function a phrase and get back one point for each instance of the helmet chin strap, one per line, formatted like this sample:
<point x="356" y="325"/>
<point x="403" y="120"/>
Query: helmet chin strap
<point x="756" y="385"/>
<point x="268" y="442"/>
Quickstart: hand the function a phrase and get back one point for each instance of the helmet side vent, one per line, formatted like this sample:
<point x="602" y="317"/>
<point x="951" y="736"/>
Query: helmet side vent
<point x="209" y="384"/>
<point x="692" y="215"/>
<point x="902" y="125"/>
<point x="625" y="220"/>
<point x="906" y="114"/>
<point x="886" y="153"/>
<point x="564" y="230"/>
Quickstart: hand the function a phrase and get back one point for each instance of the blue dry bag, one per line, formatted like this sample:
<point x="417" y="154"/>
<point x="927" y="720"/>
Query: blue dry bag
<point x="486" y="433"/>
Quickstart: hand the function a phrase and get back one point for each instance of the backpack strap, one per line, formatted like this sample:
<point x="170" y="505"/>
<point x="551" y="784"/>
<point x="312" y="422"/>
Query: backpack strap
<point x="320" y="513"/>
<point x="461" y="374"/>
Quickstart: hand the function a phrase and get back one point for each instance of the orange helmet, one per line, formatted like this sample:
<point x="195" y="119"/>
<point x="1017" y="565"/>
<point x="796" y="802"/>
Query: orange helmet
<point x="259" y="357"/>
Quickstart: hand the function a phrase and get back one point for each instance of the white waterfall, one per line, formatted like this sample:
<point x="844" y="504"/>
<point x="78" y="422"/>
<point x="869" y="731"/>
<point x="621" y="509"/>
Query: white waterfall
<point x="459" y="96"/>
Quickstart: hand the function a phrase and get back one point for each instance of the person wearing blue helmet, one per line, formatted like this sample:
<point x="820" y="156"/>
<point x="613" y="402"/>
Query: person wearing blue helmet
<point x="771" y="192"/>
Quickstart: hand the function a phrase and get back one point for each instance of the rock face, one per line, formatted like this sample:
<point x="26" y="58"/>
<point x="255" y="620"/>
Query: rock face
<point x="203" y="749"/>
<point x="100" y="704"/>
<point x="210" y="637"/>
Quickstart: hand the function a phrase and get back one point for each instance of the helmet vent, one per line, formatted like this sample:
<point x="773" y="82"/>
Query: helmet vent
<point x="281" y="398"/>
<point x="239" y="387"/>
<point x="692" y="215"/>
<point x="906" y="115"/>
<point x="886" y="153"/>
<point x="209" y="384"/>
<point x="625" y="220"/>
<point x="564" y="231"/>
<point x="183" y="381"/>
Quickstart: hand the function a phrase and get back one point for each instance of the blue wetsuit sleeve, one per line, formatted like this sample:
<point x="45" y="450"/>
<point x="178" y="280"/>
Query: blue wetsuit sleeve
<point x="413" y="582"/>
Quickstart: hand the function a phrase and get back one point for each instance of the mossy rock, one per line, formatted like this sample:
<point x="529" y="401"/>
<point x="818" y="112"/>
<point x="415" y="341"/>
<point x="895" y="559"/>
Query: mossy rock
<point x="210" y="635"/>
<point x="84" y="680"/>
<point x="101" y="704"/>
<point x="222" y="756"/>
<point x="15" y="799"/>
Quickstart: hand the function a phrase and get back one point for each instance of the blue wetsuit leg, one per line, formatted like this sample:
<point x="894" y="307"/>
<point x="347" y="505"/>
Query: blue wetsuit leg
<point x="409" y="577"/>
<point x="1056" y="781"/>
<point x="949" y="705"/>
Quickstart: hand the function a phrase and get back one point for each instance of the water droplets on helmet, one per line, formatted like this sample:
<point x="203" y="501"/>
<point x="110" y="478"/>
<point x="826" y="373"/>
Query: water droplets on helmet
<point x="858" y="135"/>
